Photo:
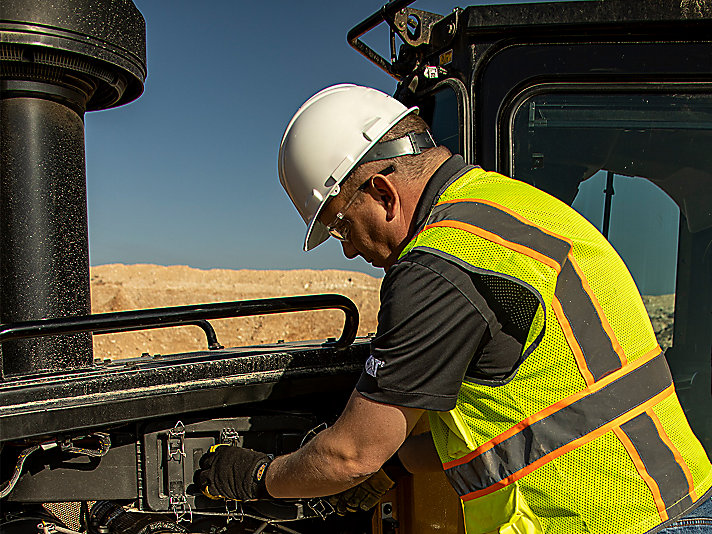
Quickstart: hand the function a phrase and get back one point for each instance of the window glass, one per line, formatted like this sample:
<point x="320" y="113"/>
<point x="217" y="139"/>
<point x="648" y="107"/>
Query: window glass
<point x="639" y="168"/>
<point x="643" y="225"/>
<point x="440" y="111"/>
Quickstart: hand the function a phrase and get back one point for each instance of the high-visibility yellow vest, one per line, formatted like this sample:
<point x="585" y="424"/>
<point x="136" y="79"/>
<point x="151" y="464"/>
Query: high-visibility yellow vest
<point x="588" y="435"/>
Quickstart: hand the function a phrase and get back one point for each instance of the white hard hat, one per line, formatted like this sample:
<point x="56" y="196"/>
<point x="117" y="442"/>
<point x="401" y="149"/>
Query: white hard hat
<point x="327" y="137"/>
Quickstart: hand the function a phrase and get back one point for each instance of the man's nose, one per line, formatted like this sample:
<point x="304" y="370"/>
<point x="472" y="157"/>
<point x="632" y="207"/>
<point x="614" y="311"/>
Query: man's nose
<point x="349" y="250"/>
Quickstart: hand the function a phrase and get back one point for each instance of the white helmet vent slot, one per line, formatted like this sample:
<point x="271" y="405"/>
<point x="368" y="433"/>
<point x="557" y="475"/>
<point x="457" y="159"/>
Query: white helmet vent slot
<point x="374" y="129"/>
<point x="343" y="168"/>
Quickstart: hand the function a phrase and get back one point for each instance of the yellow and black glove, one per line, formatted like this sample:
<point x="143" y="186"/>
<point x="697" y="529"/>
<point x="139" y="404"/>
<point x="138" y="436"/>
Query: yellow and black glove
<point x="229" y="472"/>
<point x="364" y="496"/>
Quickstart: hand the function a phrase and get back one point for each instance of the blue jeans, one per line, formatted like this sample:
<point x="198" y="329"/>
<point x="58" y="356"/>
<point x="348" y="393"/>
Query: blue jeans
<point x="699" y="521"/>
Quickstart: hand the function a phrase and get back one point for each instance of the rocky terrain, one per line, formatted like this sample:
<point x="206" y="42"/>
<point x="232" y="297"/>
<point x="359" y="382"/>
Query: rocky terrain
<point x="660" y="309"/>
<point x="128" y="287"/>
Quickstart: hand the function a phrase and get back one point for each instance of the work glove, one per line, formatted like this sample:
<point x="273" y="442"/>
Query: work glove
<point x="364" y="496"/>
<point x="230" y="472"/>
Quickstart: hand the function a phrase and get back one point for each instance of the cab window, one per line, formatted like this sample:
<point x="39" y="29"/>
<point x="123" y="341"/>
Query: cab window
<point x="440" y="111"/>
<point x="639" y="168"/>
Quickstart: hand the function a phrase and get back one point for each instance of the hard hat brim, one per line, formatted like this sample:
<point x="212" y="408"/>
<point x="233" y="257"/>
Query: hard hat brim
<point x="316" y="235"/>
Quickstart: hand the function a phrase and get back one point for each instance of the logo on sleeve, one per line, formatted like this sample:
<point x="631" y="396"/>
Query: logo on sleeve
<point x="372" y="365"/>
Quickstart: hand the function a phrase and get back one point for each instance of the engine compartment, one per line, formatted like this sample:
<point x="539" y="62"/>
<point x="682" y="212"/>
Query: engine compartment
<point x="137" y="478"/>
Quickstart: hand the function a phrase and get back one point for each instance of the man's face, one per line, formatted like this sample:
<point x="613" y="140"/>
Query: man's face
<point x="367" y="221"/>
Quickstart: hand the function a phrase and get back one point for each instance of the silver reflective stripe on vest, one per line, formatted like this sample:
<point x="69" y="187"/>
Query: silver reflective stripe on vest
<point x="595" y="344"/>
<point x="501" y="223"/>
<point x="538" y="439"/>
<point x="660" y="463"/>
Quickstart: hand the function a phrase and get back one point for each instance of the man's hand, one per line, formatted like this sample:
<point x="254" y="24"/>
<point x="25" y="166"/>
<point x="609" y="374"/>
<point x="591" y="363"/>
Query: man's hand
<point x="230" y="472"/>
<point x="364" y="496"/>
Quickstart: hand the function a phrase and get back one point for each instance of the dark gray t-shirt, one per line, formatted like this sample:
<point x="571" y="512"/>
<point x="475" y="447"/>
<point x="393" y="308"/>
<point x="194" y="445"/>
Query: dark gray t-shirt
<point x="438" y="324"/>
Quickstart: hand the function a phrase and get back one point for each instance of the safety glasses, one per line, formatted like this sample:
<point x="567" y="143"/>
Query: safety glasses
<point x="340" y="227"/>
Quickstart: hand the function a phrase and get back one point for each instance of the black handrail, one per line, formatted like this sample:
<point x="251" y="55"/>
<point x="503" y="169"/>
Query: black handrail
<point x="196" y="315"/>
<point x="367" y="25"/>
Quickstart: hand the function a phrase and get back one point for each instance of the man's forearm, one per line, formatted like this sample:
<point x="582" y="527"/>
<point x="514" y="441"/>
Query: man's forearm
<point x="320" y="469"/>
<point x="366" y="434"/>
<point x="317" y="469"/>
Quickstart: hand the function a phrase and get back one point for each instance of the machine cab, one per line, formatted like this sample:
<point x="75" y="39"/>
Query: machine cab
<point x="605" y="105"/>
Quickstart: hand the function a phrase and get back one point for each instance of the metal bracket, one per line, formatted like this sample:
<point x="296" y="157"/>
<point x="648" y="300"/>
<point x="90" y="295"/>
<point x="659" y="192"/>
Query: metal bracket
<point x="389" y="524"/>
<point x="229" y="436"/>
<point x="414" y="26"/>
<point x="321" y="507"/>
<point x="176" y="444"/>
<point x="180" y="507"/>
<point x="234" y="512"/>
<point x="177" y="500"/>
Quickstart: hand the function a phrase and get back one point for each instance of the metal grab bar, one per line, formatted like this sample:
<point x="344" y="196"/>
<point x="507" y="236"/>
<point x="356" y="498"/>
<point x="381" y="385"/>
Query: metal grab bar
<point x="353" y="37"/>
<point x="196" y="315"/>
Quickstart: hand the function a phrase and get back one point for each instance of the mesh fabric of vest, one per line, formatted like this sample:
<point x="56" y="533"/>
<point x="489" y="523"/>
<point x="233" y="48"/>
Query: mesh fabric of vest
<point x="595" y="487"/>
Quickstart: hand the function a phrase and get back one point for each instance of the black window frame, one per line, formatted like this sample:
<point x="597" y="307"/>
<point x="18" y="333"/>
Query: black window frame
<point x="463" y="109"/>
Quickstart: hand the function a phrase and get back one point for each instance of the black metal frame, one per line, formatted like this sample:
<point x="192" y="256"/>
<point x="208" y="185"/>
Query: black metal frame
<point x="384" y="14"/>
<point x="158" y="386"/>
<point x="195" y="315"/>
<point x="505" y="77"/>
<point x="413" y="26"/>
<point x="502" y="121"/>
<point x="463" y="109"/>
<point x="146" y="387"/>
<point x="482" y="33"/>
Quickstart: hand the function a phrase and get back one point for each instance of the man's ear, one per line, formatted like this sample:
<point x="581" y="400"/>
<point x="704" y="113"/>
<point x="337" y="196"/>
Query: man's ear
<point x="385" y="193"/>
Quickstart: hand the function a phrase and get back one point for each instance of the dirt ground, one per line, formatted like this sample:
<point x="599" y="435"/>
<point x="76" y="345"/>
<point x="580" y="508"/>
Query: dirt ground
<point x="661" y="310"/>
<point x="129" y="287"/>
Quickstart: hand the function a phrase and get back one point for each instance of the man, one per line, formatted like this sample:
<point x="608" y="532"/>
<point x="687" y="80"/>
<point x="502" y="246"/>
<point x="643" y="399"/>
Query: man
<point x="506" y="316"/>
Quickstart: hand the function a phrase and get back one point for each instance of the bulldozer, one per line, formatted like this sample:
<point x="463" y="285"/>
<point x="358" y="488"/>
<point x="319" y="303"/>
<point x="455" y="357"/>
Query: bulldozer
<point x="605" y="104"/>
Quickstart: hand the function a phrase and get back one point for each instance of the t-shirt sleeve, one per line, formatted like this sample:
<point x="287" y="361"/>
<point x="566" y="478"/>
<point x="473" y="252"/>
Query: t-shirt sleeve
<point x="428" y="332"/>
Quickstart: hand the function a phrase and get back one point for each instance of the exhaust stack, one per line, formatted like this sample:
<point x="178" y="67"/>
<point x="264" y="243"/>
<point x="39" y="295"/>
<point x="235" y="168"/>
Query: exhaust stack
<point x="58" y="60"/>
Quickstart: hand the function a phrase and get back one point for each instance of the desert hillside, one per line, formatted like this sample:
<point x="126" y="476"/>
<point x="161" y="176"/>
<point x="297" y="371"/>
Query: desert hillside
<point x="128" y="287"/>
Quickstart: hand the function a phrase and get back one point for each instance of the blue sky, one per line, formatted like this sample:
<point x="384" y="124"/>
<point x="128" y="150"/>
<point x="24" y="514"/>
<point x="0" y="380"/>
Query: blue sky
<point x="186" y="174"/>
